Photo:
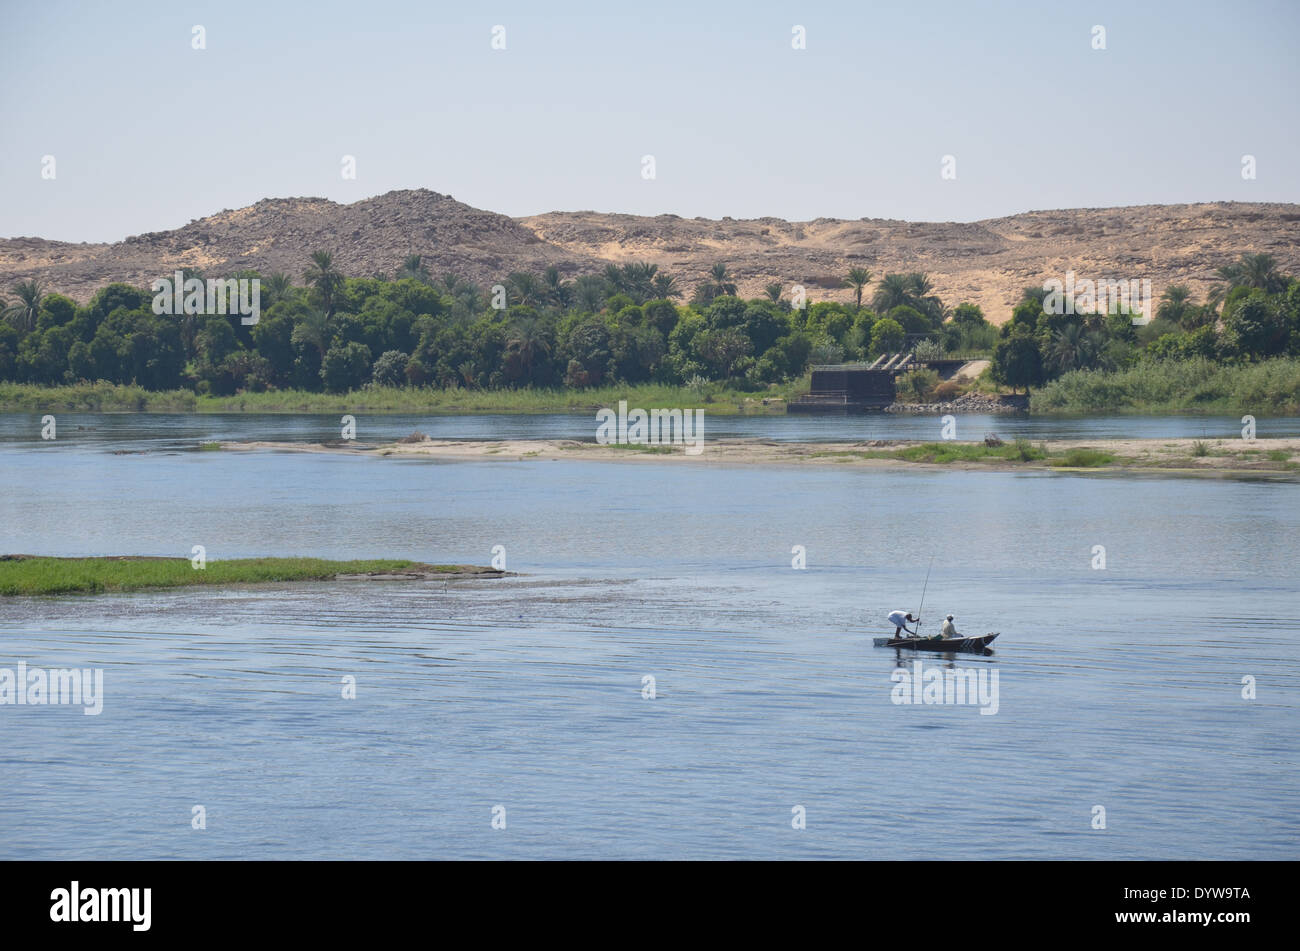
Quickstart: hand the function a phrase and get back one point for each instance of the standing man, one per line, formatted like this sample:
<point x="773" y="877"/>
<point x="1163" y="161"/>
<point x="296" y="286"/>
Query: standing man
<point x="899" y="620"/>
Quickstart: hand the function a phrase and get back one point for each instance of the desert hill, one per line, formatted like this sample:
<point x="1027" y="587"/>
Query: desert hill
<point x="986" y="262"/>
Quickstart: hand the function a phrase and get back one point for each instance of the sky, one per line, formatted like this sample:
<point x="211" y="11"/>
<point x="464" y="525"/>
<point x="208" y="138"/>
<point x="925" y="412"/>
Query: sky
<point x="147" y="133"/>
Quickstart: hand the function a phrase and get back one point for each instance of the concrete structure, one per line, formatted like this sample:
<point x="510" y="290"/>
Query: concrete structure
<point x="849" y="388"/>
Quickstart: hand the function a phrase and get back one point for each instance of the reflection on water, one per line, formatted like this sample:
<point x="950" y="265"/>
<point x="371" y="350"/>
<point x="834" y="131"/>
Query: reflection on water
<point x="1118" y="687"/>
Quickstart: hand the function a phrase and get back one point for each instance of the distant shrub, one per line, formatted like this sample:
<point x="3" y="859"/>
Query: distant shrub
<point x="947" y="390"/>
<point x="390" y="369"/>
<point x="826" y="353"/>
<point x="1026" y="451"/>
<point x="928" y="350"/>
<point x="345" y="368"/>
<point x="916" y="385"/>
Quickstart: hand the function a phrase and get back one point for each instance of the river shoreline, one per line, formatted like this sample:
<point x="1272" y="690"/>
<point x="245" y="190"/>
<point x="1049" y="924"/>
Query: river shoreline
<point x="1278" y="457"/>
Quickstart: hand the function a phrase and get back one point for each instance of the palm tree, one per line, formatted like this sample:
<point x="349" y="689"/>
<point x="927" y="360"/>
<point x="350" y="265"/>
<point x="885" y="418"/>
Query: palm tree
<point x="1253" y="270"/>
<point x="590" y="292"/>
<point x="773" y="291"/>
<point x="1033" y="294"/>
<point x="719" y="285"/>
<point x="413" y="267"/>
<point x="919" y="285"/>
<point x="525" y="343"/>
<point x="24" y="311"/>
<point x="313" y="328"/>
<point x="1067" y="348"/>
<point x="558" y="291"/>
<point x="893" y="291"/>
<point x="665" y="286"/>
<point x="1175" y="304"/>
<point x="1260" y="270"/>
<point x="323" y="276"/>
<point x="527" y="287"/>
<point x="277" y="287"/>
<point x="858" y="278"/>
<point x="639" y="280"/>
<point x="722" y="280"/>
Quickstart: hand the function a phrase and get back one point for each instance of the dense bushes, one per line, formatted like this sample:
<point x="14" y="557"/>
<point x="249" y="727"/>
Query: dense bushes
<point x="1259" y="320"/>
<point x="1161" y="386"/>
<point x="339" y="334"/>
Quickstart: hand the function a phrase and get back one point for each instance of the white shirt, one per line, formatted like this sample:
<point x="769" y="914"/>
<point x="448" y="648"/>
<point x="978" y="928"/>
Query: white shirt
<point x="898" y="618"/>
<point x="949" y="630"/>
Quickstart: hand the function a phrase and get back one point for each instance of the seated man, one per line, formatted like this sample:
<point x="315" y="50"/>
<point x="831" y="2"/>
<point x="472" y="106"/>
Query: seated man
<point x="899" y="620"/>
<point x="948" y="630"/>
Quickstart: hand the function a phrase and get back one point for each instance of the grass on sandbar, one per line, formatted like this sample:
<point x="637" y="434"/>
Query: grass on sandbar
<point x="29" y="576"/>
<point x="1082" y="458"/>
<point x="943" y="452"/>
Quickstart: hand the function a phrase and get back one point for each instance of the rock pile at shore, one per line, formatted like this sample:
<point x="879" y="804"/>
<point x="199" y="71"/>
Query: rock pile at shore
<point x="967" y="403"/>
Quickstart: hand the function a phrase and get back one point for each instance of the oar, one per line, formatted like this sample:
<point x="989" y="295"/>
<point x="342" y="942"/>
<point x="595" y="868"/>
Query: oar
<point x="923" y="588"/>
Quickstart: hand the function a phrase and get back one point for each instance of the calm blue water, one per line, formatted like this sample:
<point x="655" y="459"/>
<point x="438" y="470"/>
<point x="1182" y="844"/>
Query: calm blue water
<point x="134" y="431"/>
<point x="1118" y="687"/>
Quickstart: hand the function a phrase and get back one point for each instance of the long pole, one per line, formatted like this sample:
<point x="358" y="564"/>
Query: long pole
<point x="923" y="589"/>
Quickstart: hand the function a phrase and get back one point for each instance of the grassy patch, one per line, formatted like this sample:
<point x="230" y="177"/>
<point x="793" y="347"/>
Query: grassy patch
<point x="26" y="576"/>
<point x="715" y="398"/>
<point x="944" y="452"/>
<point x="638" y="447"/>
<point x="1082" y="459"/>
<point x="93" y="398"/>
<point x="210" y="447"/>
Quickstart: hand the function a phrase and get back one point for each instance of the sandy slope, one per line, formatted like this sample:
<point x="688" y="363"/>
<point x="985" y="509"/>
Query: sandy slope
<point x="1167" y="455"/>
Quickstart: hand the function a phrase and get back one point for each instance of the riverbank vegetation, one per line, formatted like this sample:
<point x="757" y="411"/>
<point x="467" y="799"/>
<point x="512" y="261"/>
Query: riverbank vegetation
<point x="25" y="575"/>
<point x="410" y="342"/>
<point x="1234" y="352"/>
<point x="624" y="327"/>
<point x="1195" y="384"/>
<point x="112" y="398"/>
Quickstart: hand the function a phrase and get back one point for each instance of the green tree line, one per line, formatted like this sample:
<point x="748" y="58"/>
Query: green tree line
<point x="333" y="333"/>
<point x="1252" y="314"/>
<point x="625" y="325"/>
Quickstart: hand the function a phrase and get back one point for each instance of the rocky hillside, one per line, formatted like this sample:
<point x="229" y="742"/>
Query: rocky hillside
<point x="987" y="262"/>
<point x="279" y="234"/>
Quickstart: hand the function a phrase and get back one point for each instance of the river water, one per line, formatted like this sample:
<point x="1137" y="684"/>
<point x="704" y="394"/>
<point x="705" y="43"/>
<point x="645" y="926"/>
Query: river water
<point x="1118" y="687"/>
<point x="164" y="430"/>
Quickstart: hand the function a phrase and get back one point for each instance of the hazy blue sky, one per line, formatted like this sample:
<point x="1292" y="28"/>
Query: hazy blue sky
<point x="148" y="133"/>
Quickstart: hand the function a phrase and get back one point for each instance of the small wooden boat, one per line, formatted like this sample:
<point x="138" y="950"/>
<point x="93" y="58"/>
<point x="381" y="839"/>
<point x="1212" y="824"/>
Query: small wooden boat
<point x="975" y="644"/>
